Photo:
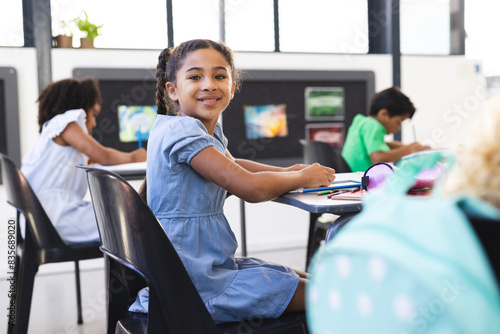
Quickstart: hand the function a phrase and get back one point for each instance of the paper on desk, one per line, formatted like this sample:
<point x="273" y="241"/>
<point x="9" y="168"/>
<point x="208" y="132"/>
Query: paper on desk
<point x="124" y="168"/>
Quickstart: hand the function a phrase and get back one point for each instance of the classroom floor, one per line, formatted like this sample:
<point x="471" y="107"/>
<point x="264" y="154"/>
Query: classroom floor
<point x="53" y="309"/>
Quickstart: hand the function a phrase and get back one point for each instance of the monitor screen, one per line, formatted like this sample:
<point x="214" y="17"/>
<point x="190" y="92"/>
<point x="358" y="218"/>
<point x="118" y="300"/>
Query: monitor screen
<point x="135" y="123"/>
<point x="266" y="121"/>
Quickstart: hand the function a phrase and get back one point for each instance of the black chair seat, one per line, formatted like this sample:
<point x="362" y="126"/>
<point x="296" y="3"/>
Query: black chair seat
<point x="287" y="324"/>
<point x="138" y="253"/>
<point x="76" y="252"/>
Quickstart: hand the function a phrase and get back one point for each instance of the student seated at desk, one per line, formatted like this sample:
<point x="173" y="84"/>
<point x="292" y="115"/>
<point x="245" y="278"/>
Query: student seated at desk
<point x="365" y="144"/>
<point x="190" y="170"/>
<point x="67" y="111"/>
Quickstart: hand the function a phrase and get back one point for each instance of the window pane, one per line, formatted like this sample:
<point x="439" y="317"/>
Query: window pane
<point x="482" y="34"/>
<point x="250" y="25"/>
<point x="425" y="27"/>
<point x="324" y="26"/>
<point x="195" y="19"/>
<point x="127" y="24"/>
<point x="11" y="23"/>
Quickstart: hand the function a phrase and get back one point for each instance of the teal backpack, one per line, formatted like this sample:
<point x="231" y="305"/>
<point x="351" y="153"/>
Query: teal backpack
<point x="406" y="265"/>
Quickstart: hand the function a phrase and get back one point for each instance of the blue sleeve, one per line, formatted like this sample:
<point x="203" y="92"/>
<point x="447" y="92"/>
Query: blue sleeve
<point x="187" y="137"/>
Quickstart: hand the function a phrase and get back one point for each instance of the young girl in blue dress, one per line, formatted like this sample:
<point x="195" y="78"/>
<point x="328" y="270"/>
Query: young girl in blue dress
<point x="67" y="111"/>
<point x="190" y="170"/>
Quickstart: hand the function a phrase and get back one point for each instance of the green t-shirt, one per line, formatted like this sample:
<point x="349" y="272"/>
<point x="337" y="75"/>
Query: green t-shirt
<point x="365" y="136"/>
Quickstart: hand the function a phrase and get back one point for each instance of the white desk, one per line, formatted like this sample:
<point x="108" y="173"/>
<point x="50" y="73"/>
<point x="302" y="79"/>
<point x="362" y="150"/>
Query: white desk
<point x="129" y="171"/>
<point x="313" y="203"/>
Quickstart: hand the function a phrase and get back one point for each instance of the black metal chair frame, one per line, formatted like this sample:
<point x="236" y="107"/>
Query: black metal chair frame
<point x="326" y="155"/>
<point x="41" y="244"/>
<point x="138" y="253"/>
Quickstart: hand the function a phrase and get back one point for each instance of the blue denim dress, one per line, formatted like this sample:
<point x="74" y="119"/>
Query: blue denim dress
<point x="190" y="209"/>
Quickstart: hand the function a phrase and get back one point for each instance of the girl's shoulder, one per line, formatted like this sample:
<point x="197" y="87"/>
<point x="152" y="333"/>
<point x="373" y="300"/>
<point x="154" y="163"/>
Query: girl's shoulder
<point x="180" y="125"/>
<point x="53" y="127"/>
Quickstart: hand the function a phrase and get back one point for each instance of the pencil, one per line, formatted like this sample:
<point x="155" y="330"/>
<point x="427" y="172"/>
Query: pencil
<point x="324" y="192"/>
<point x="357" y="184"/>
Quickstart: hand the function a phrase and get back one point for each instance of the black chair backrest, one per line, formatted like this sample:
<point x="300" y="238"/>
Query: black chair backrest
<point x="488" y="232"/>
<point x="324" y="154"/>
<point x="21" y="196"/>
<point x="131" y="235"/>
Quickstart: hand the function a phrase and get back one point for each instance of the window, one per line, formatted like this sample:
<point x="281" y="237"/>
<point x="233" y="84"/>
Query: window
<point x="250" y="25"/>
<point x="482" y="34"/>
<point x="11" y="23"/>
<point x="425" y="27"/>
<point x="127" y="24"/>
<point x="337" y="26"/>
<point x="195" y="19"/>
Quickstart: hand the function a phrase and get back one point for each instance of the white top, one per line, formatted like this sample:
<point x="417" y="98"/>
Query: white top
<point x="59" y="185"/>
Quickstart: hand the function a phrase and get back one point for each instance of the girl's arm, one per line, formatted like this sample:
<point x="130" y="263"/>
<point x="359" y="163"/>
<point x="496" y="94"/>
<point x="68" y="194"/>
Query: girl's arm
<point x="253" y="166"/>
<point x="74" y="135"/>
<point x="257" y="186"/>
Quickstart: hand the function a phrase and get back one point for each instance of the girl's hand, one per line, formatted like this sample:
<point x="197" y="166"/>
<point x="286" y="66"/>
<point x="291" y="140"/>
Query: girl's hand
<point x="318" y="176"/>
<point x="139" y="155"/>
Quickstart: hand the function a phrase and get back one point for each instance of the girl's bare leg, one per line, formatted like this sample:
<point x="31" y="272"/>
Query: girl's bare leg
<point x="298" y="302"/>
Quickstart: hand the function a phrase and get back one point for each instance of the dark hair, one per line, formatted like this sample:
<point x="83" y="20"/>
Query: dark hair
<point x="394" y="101"/>
<point x="171" y="60"/>
<point x="60" y="96"/>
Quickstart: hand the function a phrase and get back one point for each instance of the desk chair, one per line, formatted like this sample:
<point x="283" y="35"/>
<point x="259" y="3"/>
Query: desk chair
<point x="330" y="156"/>
<point x="488" y="230"/>
<point x="41" y="244"/>
<point x="138" y="253"/>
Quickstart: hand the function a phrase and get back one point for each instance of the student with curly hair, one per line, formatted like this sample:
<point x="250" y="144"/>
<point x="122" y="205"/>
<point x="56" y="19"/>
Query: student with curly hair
<point x="67" y="111"/>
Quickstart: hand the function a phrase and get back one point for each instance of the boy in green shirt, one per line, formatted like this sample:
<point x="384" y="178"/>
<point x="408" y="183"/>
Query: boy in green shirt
<point x="365" y="145"/>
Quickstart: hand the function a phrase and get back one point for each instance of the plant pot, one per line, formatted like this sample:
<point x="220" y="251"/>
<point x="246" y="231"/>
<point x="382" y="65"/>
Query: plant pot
<point x="63" y="41"/>
<point x="86" y="43"/>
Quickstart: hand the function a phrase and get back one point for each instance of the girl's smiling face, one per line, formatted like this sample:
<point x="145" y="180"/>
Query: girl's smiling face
<point x="204" y="86"/>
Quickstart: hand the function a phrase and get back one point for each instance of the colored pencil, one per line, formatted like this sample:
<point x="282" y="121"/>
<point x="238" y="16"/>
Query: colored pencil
<point x="300" y="191"/>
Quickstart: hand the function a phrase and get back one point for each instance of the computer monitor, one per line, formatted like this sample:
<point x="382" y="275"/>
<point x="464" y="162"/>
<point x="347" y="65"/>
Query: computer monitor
<point x="9" y="115"/>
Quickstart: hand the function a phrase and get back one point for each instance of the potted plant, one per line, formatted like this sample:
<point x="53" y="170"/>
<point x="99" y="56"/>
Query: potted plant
<point x="65" y="38"/>
<point x="90" y="29"/>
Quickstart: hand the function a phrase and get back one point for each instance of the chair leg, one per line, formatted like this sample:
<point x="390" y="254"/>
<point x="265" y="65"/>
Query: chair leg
<point x="78" y="293"/>
<point x="310" y="241"/>
<point x="25" y="279"/>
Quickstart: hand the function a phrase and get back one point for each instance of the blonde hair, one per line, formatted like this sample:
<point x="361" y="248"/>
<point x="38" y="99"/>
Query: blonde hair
<point x="478" y="165"/>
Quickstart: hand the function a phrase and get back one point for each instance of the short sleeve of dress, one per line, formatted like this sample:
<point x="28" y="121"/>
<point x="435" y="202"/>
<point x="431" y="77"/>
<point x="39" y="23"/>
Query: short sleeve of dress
<point x="187" y="137"/>
<point x="53" y="128"/>
<point x="57" y="124"/>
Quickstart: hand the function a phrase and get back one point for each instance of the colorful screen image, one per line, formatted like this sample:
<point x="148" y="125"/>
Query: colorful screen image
<point x="267" y="121"/>
<point x="324" y="103"/>
<point x="135" y="122"/>
<point x="330" y="133"/>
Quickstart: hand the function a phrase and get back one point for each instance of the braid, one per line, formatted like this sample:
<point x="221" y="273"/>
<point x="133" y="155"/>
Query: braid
<point x="161" y="79"/>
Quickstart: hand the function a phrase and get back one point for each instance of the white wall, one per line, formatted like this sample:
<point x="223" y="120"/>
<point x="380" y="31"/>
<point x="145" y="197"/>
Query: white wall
<point x="447" y="92"/>
<point x="435" y="84"/>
